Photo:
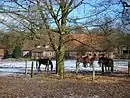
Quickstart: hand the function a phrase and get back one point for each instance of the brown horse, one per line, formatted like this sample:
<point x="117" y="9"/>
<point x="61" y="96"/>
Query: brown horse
<point x="45" y="62"/>
<point x="86" y="60"/>
<point x="106" y="63"/>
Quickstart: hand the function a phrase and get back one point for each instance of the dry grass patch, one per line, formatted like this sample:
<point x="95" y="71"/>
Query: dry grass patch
<point x="77" y="78"/>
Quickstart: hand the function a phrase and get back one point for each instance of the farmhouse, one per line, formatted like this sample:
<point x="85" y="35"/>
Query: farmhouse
<point x="34" y="49"/>
<point x="74" y="44"/>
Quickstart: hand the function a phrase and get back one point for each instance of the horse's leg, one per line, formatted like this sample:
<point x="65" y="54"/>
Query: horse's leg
<point x="36" y="64"/>
<point x="105" y="68"/>
<point x="109" y="68"/>
<point x="87" y="64"/>
<point x="91" y="65"/>
<point x="102" y="68"/>
<point x="112" y="68"/>
<point x="39" y="67"/>
<point x="84" y="64"/>
<point x="51" y="67"/>
<point x="100" y="65"/>
<point x="47" y="65"/>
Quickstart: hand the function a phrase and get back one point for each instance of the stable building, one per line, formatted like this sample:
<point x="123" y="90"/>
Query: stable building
<point x="75" y="44"/>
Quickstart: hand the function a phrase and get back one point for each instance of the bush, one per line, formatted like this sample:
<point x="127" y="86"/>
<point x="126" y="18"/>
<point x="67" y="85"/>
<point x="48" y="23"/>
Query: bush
<point x="16" y="52"/>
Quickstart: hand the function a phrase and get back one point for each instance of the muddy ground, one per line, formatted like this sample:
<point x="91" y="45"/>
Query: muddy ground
<point x="73" y="86"/>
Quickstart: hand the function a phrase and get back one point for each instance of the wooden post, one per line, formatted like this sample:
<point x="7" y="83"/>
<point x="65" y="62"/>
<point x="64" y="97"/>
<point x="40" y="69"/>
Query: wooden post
<point x="102" y="65"/>
<point x="128" y="67"/>
<point x="47" y="66"/>
<point x="77" y="67"/>
<point x="32" y="72"/>
<point x="93" y="72"/>
<point x="26" y="67"/>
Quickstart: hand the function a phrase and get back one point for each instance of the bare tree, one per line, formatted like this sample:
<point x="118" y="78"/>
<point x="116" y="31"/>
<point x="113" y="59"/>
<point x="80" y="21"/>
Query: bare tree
<point x="125" y="15"/>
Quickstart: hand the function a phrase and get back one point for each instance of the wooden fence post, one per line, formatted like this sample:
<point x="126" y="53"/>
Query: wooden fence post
<point x="77" y="67"/>
<point x="93" y="77"/>
<point x="48" y="66"/>
<point x="128" y="67"/>
<point x="26" y="67"/>
<point x="32" y="72"/>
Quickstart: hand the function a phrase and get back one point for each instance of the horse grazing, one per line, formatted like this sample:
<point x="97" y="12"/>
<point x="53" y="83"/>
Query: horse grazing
<point x="45" y="62"/>
<point x="107" y="63"/>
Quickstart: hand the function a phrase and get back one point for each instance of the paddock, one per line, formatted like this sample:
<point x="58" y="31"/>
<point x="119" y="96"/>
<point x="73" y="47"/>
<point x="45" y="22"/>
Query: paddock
<point x="18" y="67"/>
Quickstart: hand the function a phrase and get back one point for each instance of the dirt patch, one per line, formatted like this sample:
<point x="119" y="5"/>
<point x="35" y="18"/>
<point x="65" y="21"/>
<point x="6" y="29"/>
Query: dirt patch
<point x="73" y="86"/>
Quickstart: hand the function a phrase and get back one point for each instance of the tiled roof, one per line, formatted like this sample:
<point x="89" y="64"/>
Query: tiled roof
<point x="87" y="42"/>
<point x="73" y="42"/>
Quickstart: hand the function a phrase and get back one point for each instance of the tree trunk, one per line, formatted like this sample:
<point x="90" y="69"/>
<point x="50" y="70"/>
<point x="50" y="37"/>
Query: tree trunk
<point x="60" y="57"/>
<point x="77" y="67"/>
<point x="129" y="68"/>
<point x="60" y="62"/>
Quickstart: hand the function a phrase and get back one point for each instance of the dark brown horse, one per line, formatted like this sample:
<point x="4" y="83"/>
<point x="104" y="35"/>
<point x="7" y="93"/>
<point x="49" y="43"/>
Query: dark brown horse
<point x="106" y="63"/>
<point x="45" y="62"/>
